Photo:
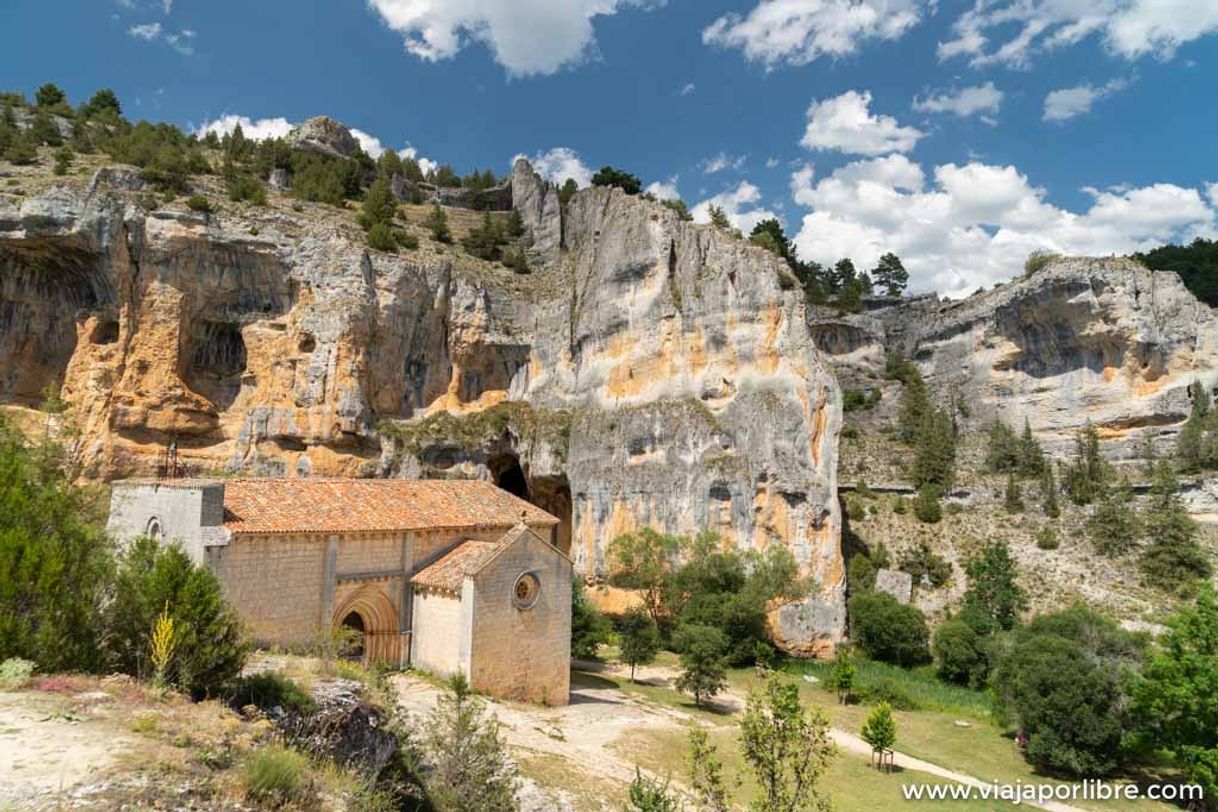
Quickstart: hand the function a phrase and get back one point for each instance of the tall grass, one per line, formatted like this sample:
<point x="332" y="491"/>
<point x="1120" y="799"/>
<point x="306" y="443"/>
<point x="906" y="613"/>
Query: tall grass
<point x="277" y="775"/>
<point x="906" y="689"/>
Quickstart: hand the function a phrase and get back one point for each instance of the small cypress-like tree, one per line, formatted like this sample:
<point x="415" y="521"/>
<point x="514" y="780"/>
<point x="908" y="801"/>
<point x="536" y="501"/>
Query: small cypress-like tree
<point x="1048" y="493"/>
<point x="1013" y="502"/>
<point x="926" y="505"/>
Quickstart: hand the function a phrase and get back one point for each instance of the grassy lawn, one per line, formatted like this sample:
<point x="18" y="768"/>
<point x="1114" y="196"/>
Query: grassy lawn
<point x="982" y="749"/>
<point x="850" y="782"/>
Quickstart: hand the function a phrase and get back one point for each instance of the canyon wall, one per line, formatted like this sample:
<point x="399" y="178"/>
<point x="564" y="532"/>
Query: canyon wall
<point x="1084" y="339"/>
<point x="649" y="371"/>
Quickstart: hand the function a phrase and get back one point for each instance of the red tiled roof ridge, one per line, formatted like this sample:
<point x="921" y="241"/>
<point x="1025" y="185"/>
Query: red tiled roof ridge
<point x="336" y="505"/>
<point x="448" y="571"/>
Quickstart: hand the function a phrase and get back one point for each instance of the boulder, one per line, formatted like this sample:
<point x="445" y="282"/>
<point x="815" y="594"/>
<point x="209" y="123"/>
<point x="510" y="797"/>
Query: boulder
<point x="896" y="583"/>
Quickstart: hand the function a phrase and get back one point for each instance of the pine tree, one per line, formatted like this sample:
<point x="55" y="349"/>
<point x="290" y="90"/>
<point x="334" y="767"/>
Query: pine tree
<point x="718" y="217"/>
<point x="1002" y="454"/>
<point x="891" y="275"/>
<point x="1013" y="503"/>
<point x="1174" y="560"/>
<point x="935" y="461"/>
<point x="380" y="204"/>
<point x="1113" y="527"/>
<point x="993" y="599"/>
<point x="1088" y="472"/>
<point x="1048" y="493"/>
<point x="1031" y="455"/>
<point x="1197" y="444"/>
<point x="915" y="404"/>
<point x="471" y="769"/>
<point x="437" y="224"/>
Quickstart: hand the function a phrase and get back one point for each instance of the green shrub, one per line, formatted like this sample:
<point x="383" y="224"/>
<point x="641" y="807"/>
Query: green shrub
<point x="960" y="654"/>
<point x="200" y="204"/>
<point x="269" y="690"/>
<point x="325" y="180"/>
<point x="1047" y="538"/>
<point x="890" y="691"/>
<point x="1037" y="261"/>
<point x="589" y="628"/>
<point x="211" y="646"/>
<point x="15" y="673"/>
<point x="854" y="507"/>
<point x="381" y="237"/>
<point x="860" y="574"/>
<point x="437" y="224"/>
<point x="926" y="505"/>
<point x="888" y="630"/>
<point x="244" y="186"/>
<point x="63" y="160"/>
<point x="406" y="240"/>
<point x="679" y="207"/>
<point x="516" y="259"/>
<point x="277" y="776"/>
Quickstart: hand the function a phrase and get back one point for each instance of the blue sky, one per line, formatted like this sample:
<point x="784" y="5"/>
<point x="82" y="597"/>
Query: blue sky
<point x="960" y="136"/>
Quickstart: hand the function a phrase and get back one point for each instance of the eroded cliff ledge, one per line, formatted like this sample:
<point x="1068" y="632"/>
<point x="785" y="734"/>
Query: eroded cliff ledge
<point x="649" y="372"/>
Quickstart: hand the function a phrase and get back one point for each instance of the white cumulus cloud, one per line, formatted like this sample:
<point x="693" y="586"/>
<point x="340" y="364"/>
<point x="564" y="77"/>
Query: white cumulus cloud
<point x="527" y="37"/>
<point x="1127" y="28"/>
<point x="664" y="190"/>
<point x="149" y="31"/>
<point x="972" y="225"/>
<point x="797" y="32"/>
<point x="741" y="205"/>
<point x="560" y="163"/>
<point x="963" y="102"/>
<point x="845" y="124"/>
<point x="257" y="129"/>
<point x="1068" y="102"/>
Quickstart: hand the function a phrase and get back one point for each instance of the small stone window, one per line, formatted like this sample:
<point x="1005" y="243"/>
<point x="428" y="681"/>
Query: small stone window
<point x="526" y="590"/>
<point x="153" y="530"/>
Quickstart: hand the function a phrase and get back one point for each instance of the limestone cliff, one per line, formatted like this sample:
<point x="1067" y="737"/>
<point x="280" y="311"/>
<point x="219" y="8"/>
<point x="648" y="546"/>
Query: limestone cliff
<point x="650" y="371"/>
<point x="1105" y="340"/>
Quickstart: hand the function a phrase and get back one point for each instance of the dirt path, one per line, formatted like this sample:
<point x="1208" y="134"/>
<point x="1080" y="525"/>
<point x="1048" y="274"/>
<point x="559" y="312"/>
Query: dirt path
<point x="45" y="749"/>
<point x="600" y="714"/>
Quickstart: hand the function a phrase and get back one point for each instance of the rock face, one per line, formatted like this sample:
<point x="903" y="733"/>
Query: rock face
<point x="1104" y="340"/>
<point x="650" y="372"/>
<point x="325" y="135"/>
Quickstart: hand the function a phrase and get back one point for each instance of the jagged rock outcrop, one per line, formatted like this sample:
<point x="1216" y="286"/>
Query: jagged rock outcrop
<point x="325" y="135"/>
<point x="1105" y="340"/>
<point x="650" y="372"/>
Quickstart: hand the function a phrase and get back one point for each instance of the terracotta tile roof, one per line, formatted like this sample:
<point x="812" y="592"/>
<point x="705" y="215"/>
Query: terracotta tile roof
<point x="447" y="573"/>
<point x="370" y="505"/>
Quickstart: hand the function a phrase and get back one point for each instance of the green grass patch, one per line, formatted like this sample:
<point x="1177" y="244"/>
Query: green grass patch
<point x="910" y="689"/>
<point x="277" y="776"/>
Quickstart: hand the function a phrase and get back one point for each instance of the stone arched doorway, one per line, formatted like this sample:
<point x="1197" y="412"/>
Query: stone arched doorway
<point x="369" y="615"/>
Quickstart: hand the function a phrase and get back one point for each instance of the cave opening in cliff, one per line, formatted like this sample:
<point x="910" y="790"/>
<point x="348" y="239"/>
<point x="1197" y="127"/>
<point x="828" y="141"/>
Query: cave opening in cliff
<point x="508" y="474"/>
<point x="106" y="332"/>
<point x="553" y="495"/>
<point x="217" y="359"/>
